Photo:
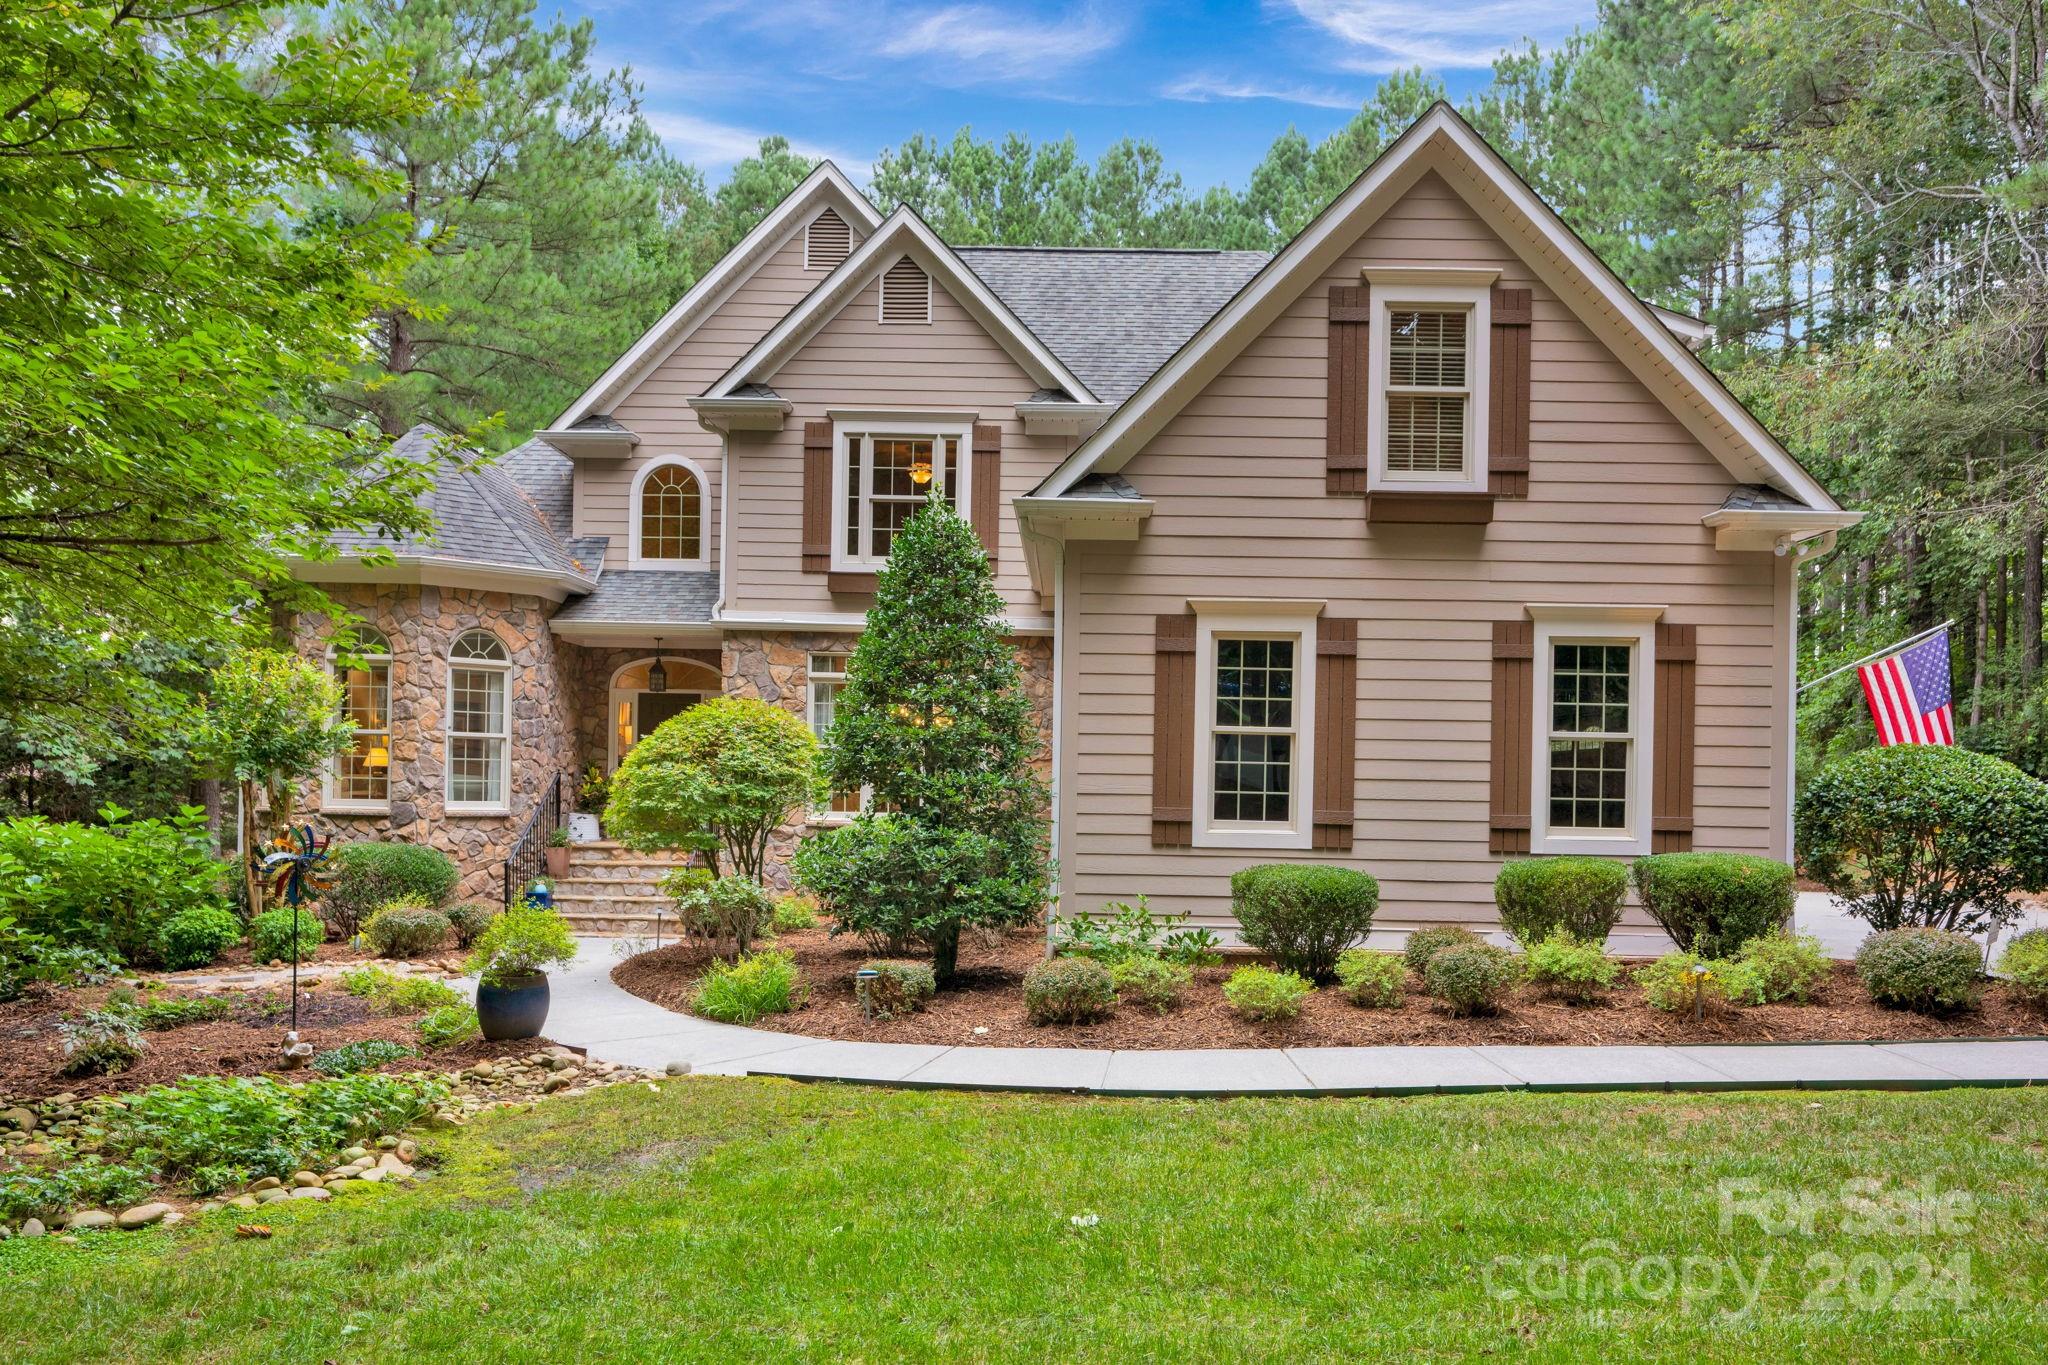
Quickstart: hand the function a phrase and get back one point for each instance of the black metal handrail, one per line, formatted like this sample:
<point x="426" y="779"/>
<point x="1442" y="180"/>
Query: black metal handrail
<point x="529" y="856"/>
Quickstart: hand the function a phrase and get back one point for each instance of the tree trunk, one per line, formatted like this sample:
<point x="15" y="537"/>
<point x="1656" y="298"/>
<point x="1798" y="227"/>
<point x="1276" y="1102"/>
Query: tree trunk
<point x="252" y="849"/>
<point x="1977" y="664"/>
<point x="946" y="953"/>
<point x="2030" y="600"/>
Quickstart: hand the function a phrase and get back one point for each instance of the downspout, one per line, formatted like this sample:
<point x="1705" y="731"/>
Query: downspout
<point x="724" y="524"/>
<point x="1057" y="550"/>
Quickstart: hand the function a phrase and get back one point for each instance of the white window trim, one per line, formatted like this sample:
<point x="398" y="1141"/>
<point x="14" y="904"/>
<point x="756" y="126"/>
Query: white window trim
<point x="1637" y="628"/>
<point x="634" y="558"/>
<point x="330" y="804"/>
<point x="503" y="668"/>
<point x="1477" y="299"/>
<point x="847" y="425"/>
<point x="1239" y="619"/>
<point x="825" y="815"/>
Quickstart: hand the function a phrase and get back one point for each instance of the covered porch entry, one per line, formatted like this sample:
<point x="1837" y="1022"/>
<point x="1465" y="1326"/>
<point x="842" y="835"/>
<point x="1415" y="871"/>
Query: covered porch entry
<point x="646" y="691"/>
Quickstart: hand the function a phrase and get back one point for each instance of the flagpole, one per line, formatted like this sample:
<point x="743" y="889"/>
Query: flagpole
<point x="1906" y="643"/>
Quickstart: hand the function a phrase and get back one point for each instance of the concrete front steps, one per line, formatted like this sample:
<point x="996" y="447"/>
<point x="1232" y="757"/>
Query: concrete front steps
<point x="614" y="890"/>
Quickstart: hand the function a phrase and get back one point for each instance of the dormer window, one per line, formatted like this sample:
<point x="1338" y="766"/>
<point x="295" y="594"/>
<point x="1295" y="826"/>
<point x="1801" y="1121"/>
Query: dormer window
<point x="668" y="516"/>
<point x="827" y="241"/>
<point x="1427" y="407"/>
<point x="906" y="293"/>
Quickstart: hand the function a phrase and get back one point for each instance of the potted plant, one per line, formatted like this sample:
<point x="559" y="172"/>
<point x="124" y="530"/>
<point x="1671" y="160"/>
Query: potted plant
<point x="558" y="853"/>
<point x="508" y="961"/>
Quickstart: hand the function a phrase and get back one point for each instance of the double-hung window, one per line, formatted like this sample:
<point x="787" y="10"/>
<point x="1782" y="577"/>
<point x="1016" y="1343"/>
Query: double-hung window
<point x="885" y="473"/>
<point x="360" y="777"/>
<point x="479" y="733"/>
<point x="827" y="676"/>
<point x="1429" y="349"/>
<point x="1592" y="735"/>
<point x="1254" y="717"/>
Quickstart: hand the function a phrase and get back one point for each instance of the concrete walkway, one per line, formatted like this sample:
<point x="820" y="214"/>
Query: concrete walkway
<point x="590" y="1012"/>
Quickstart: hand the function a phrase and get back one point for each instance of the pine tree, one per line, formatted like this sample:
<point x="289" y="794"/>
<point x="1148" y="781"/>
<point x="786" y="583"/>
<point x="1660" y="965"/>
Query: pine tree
<point x="933" y="721"/>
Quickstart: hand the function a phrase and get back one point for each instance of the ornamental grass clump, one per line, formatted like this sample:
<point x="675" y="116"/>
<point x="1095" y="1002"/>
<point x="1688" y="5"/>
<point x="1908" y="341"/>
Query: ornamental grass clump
<point x="759" y="984"/>
<point x="1929" y="971"/>
<point x="1374" y="980"/>
<point x="1472" y="978"/>
<point x="1424" y="944"/>
<point x="1568" y="968"/>
<point x="1068" y="990"/>
<point x="2025" y="967"/>
<point x="1152" y="981"/>
<point x="895" y="990"/>
<point x="1580" y="897"/>
<point x="448" y="1025"/>
<point x="1267" y="996"/>
<point x="1303" y="914"/>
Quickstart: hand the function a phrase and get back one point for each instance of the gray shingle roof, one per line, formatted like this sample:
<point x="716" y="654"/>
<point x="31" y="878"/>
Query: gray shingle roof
<point x="484" y="517"/>
<point x="1756" y="497"/>
<point x="1111" y="487"/>
<point x="646" y="597"/>
<point x="1113" y="316"/>
<point x="545" y="475"/>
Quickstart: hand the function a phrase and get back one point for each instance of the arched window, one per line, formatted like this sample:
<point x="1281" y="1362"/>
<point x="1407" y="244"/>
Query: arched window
<point x="668" y="516"/>
<point x="479" y="727"/>
<point x="360" y="778"/>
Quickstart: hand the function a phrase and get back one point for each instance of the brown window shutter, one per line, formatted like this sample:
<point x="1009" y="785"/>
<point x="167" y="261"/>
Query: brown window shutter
<point x="1336" y="759"/>
<point x="1173" y="732"/>
<point x="817" y="497"/>
<point x="986" y="495"/>
<point x="1507" y="435"/>
<point x="1344" y="415"/>
<point x="1671" y="790"/>
<point x="1514" y="705"/>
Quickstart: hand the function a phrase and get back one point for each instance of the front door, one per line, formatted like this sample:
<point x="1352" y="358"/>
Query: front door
<point x="652" y="708"/>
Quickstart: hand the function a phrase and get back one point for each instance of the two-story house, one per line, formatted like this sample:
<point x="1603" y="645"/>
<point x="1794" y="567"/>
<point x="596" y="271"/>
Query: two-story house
<point x="1418" y="544"/>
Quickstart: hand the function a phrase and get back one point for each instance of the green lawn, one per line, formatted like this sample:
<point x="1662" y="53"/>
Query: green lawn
<point x="744" y="1220"/>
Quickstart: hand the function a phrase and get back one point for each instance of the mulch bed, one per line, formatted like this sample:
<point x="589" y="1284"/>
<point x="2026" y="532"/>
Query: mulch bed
<point x="989" y="996"/>
<point x="245" y="1043"/>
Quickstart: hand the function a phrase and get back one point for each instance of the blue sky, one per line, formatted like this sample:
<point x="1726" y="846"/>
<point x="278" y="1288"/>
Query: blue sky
<point x="1212" y="84"/>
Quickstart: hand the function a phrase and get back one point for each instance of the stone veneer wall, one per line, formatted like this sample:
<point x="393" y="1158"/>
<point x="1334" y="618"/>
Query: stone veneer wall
<point x="588" y="670"/>
<point x="775" y="667"/>
<point x="422" y="622"/>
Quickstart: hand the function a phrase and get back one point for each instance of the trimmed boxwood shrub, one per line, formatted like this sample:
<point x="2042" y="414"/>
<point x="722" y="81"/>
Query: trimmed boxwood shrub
<point x="1578" y="896"/>
<point x="270" y="935"/>
<point x="1372" y="979"/>
<point x="1303" y="914"/>
<point x="895" y="990"/>
<point x="1713" y="903"/>
<point x="1926" y="834"/>
<point x="406" y="928"/>
<point x="1931" y="971"/>
<point x="197" y="936"/>
<point x="2025" y="965"/>
<point x="1425" y="944"/>
<point x="1472" y="978"/>
<point x="1068" y="990"/>
<point x="1264" y="995"/>
<point x="368" y="876"/>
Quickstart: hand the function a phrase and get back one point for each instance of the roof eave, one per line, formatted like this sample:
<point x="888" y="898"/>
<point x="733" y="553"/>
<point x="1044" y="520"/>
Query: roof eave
<point x="724" y="415"/>
<point x="1063" y="419"/>
<point x="1779" y="529"/>
<point x="442" y="571"/>
<point x="587" y="444"/>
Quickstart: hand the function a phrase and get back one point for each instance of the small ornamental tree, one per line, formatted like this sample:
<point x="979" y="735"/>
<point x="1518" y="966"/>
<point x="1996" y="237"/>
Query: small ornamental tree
<point x="719" y="779"/>
<point x="933" y="720"/>
<point x="1926" y="836"/>
<point x="272" y="719"/>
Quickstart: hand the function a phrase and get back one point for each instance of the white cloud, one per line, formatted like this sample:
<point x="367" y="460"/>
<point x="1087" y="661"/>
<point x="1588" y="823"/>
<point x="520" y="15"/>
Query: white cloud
<point x="1204" y="88"/>
<point x="992" y="44"/>
<point x="1449" y="34"/>
<point x="713" y="147"/>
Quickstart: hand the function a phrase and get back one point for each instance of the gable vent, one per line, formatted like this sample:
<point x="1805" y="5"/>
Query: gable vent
<point x="826" y="241"/>
<point x="906" y="293"/>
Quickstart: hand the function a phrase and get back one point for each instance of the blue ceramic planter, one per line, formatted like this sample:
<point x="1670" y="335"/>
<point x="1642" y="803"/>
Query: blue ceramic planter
<point x="516" y="1009"/>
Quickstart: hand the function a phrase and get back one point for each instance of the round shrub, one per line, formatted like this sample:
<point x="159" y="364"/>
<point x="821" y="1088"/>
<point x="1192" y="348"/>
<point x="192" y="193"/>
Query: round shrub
<point x="1926" y="834"/>
<point x="1375" y="980"/>
<point x="1578" y="896"/>
<point x="2025" y="966"/>
<point x="524" y="940"/>
<point x="720" y="909"/>
<point x="1472" y="978"/>
<point x="1425" y="944"/>
<point x="270" y="935"/>
<point x="1262" y="994"/>
<point x="896" y="989"/>
<point x="1784" y="967"/>
<point x="1068" y="990"/>
<point x="197" y="937"/>
<point x="1713" y="903"/>
<point x="1931" y="971"/>
<point x="1303" y="914"/>
<point x="1149" y="980"/>
<point x="1568" y="968"/>
<point x="469" y="919"/>
<point x="406" y="928"/>
<point x="368" y="876"/>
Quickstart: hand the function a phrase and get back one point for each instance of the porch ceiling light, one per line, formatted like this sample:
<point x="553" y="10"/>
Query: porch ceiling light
<point x="657" y="676"/>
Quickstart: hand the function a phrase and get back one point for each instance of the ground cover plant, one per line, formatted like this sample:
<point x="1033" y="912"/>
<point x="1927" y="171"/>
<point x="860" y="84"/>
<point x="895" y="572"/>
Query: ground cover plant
<point x="742" y="1218"/>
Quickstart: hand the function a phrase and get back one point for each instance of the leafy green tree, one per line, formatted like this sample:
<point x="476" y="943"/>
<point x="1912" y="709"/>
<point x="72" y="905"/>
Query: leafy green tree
<point x="542" y="210"/>
<point x="719" y="779"/>
<point x="163" y="316"/>
<point x="933" y="720"/>
<point x="272" y="720"/>
<point x="977" y="193"/>
<point x="711" y="227"/>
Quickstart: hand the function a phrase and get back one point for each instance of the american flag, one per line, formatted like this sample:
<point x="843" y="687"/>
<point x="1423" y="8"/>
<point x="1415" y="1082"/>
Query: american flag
<point x="1909" y="694"/>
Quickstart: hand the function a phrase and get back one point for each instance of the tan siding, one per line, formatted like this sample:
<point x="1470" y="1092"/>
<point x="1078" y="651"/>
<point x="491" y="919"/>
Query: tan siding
<point x="1616" y="490"/>
<point x="659" y="408"/>
<point x="854" y="361"/>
